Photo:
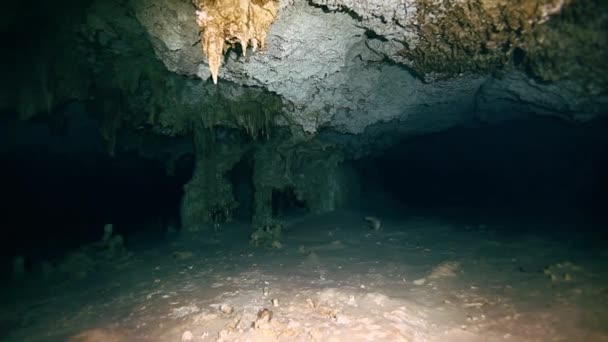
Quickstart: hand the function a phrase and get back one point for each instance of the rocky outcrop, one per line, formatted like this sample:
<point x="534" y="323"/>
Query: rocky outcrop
<point x="347" y="65"/>
<point x="341" y="65"/>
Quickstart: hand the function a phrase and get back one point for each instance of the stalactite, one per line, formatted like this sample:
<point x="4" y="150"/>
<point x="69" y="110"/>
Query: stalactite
<point x="228" y="22"/>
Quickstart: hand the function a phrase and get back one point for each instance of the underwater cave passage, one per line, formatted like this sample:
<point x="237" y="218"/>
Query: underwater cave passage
<point x="465" y="225"/>
<point x="420" y="171"/>
<point x="540" y="167"/>
<point x="61" y="188"/>
<point x="426" y="249"/>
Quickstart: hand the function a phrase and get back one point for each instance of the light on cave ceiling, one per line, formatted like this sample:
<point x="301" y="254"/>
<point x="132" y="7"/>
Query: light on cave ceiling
<point x="225" y="23"/>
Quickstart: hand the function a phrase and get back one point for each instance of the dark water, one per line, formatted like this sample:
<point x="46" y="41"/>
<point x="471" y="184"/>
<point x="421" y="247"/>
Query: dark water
<point x="541" y="169"/>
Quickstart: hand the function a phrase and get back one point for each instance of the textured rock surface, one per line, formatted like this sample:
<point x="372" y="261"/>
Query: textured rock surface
<point x="348" y="66"/>
<point x="330" y="69"/>
<point x="228" y="23"/>
<point x="516" y="94"/>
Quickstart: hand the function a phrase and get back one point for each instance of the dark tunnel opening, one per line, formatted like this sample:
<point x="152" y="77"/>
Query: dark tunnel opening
<point x="541" y="167"/>
<point x="61" y="188"/>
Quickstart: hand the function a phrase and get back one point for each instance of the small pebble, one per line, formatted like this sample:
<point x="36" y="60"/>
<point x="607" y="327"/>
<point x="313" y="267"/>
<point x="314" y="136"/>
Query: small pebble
<point x="187" y="336"/>
<point x="293" y="325"/>
<point x="341" y="319"/>
<point x="264" y="316"/>
<point x="226" y="309"/>
<point x="420" y="281"/>
<point x="275" y="302"/>
<point x="352" y="301"/>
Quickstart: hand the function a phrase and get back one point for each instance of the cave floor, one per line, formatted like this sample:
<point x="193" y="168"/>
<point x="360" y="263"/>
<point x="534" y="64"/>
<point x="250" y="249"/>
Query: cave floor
<point x="418" y="278"/>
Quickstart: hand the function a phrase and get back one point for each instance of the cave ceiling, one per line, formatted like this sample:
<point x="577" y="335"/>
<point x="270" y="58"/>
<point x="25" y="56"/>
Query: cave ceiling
<point x="349" y="69"/>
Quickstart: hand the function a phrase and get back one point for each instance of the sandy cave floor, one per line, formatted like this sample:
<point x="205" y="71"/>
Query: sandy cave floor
<point x="416" y="279"/>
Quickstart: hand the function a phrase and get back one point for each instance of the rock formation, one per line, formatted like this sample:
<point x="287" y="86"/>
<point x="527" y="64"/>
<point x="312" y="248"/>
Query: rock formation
<point x="231" y="22"/>
<point x="335" y="78"/>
